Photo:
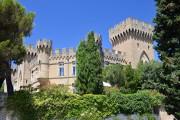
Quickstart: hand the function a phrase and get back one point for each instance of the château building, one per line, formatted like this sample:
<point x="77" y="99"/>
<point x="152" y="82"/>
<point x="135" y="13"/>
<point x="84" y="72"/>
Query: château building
<point x="131" y="42"/>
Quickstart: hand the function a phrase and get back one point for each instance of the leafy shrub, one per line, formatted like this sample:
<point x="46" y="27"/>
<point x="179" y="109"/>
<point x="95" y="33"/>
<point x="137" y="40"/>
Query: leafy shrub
<point x="23" y="105"/>
<point x="56" y="103"/>
<point x="91" y="114"/>
<point x="110" y="90"/>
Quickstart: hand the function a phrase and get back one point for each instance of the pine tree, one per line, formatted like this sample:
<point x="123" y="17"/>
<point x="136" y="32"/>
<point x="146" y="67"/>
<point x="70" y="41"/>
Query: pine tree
<point x="89" y="67"/>
<point x="167" y="36"/>
<point x="15" y="24"/>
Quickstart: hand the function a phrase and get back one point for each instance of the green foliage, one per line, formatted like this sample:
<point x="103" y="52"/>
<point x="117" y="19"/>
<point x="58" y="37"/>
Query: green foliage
<point x="124" y="77"/>
<point x="114" y="75"/>
<point x="15" y="24"/>
<point x="140" y="102"/>
<point x="50" y="102"/>
<point x="57" y="103"/>
<point x="91" y="114"/>
<point x="2" y="88"/>
<point x="150" y="74"/>
<point x="22" y="103"/>
<point x="167" y="36"/>
<point x="89" y="67"/>
<point x="132" y="79"/>
<point x="110" y="90"/>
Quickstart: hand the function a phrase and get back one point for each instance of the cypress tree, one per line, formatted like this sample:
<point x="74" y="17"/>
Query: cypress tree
<point x="81" y="78"/>
<point x="89" y="67"/>
<point x="167" y="36"/>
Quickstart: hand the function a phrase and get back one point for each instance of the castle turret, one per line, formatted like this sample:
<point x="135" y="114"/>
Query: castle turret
<point x="44" y="48"/>
<point x="29" y="61"/>
<point x="134" y="39"/>
<point x="98" y="40"/>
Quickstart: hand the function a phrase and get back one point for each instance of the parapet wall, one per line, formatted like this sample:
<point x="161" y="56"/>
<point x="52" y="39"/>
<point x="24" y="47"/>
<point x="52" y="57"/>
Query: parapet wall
<point x="64" y="53"/>
<point x="44" y="43"/>
<point x="110" y="55"/>
<point x="128" y="27"/>
<point x="114" y="56"/>
<point x="31" y="50"/>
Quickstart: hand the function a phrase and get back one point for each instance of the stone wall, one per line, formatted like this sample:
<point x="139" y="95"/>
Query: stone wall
<point x="162" y="115"/>
<point x="133" y="38"/>
<point x="4" y="113"/>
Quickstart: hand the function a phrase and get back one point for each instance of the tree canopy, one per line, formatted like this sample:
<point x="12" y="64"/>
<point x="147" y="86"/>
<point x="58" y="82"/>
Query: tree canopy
<point x="167" y="36"/>
<point x="150" y="74"/>
<point x="15" y="24"/>
<point x="114" y="74"/>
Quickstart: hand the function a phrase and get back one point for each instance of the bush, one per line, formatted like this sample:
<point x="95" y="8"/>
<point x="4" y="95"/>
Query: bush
<point x="55" y="104"/>
<point x="110" y="90"/>
<point x="23" y="105"/>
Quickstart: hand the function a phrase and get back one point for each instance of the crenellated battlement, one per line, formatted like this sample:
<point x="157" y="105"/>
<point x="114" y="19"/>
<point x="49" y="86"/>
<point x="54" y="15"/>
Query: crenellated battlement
<point x="130" y="27"/>
<point x="31" y="50"/>
<point x="112" y="52"/>
<point x="44" y="44"/>
<point x="131" y="23"/>
<point x="110" y="55"/>
<point x="64" y="53"/>
<point x="114" y="56"/>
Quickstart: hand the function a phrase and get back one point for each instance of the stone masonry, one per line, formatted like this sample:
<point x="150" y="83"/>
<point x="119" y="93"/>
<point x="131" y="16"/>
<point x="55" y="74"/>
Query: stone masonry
<point x="131" y="43"/>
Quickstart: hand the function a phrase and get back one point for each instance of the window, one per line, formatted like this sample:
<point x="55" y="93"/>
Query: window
<point x="74" y="68"/>
<point x="144" y="58"/>
<point x="61" y="69"/>
<point x="138" y="45"/>
<point x="106" y="63"/>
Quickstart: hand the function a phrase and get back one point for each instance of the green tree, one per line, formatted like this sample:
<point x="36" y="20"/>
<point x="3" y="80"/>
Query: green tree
<point x="167" y="36"/>
<point x="89" y="67"/>
<point x="124" y="77"/>
<point x="132" y="78"/>
<point x="150" y="74"/>
<point x="81" y="76"/>
<point x="114" y="74"/>
<point x="15" y="24"/>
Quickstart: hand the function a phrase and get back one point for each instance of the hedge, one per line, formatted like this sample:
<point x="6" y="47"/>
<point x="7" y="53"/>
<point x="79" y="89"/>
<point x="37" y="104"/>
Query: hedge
<point x="55" y="103"/>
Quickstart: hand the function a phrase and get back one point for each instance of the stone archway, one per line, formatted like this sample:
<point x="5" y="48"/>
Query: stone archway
<point x="144" y="57"/>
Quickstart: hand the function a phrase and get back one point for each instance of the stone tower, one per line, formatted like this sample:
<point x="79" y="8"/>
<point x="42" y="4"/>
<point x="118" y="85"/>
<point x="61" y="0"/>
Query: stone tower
<point x="44" y="48"/>
<point x="133" y="39"/>
<point x="29" y="59"/>
<point x="98" y="41"/>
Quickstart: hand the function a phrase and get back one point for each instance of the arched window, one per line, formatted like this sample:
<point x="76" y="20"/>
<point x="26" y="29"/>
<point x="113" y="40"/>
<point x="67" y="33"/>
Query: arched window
<point x="144" y="57"/>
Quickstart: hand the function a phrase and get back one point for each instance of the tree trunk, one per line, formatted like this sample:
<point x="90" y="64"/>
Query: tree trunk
<point x="2" y="75"/>
<point x="10" y="89"/>
<point x="1" y="82"/>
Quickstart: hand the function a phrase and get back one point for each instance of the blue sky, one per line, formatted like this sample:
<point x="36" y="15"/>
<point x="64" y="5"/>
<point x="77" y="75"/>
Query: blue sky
<point x="66" y="22"/>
